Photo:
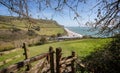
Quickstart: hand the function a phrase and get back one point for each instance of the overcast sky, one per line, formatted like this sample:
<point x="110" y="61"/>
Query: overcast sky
<point x="65" y="17"/>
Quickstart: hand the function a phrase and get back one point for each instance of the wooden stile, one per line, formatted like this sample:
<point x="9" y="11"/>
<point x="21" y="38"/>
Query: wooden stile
<point x="58" y="58"/>
<point x="72" y="63"/>
<point x="62" y="65"/>
<point x="23" y="63"/>
<point x="51" y="59"/>
<point x="26" y="50"/>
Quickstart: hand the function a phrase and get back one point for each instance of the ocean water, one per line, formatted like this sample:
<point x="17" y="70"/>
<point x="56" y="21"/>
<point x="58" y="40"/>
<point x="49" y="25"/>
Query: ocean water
<point x="86" y="31"/>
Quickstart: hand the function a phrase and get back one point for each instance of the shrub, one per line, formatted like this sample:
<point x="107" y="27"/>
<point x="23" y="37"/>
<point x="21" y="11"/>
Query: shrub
<point x="14" y="29"/>
<point x="43" y="40"/>
<point x="87" y="36"/>
<point x="59" y="34"/>
<point x="36" y="28"/>
<point x="52" y="37"/>
<point x="105" y="60"/>
<point x="31" y="32"/>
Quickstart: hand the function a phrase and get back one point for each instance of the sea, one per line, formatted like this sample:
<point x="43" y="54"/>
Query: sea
<point x="87" y="31"/>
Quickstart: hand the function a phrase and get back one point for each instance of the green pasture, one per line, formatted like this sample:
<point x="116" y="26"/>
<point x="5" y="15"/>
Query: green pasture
<point x="82" y="47"/>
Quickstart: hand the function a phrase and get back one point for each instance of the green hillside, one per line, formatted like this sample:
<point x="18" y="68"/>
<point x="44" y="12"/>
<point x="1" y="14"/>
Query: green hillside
<point x="14" y="31"/>
<point x="47" y="27"/>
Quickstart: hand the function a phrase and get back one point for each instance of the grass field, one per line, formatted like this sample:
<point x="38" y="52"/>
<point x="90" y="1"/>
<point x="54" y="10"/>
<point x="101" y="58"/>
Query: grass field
<point x="82" y="47"/>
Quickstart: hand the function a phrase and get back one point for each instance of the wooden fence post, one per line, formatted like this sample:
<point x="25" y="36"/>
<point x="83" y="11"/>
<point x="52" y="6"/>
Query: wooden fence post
<point x="72" y="63"/>
<point x="58" y="58"/>
<point x="51" y="59"/>
<point x="26" y="55"/>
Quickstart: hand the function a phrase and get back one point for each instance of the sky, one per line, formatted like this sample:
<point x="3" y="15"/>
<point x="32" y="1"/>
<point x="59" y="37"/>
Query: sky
<point x="65" y="17"/>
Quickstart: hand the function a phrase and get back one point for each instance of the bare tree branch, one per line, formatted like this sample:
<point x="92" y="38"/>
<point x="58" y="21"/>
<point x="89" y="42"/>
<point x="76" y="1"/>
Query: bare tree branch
<point x="108" y="12"/>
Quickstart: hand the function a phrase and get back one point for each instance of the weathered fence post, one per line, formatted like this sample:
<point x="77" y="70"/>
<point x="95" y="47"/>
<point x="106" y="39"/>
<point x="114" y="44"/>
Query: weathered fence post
<point x="58" y="58"/>
<point x="72" y="63"/>
<point x="26" y="55"/>
<point x="51" y="59"/>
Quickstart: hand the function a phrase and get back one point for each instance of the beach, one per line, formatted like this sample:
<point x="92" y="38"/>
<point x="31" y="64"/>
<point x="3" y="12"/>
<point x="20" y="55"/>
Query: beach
<point x="72" y="34"/>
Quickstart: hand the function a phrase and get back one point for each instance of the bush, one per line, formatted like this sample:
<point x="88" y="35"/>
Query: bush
<point x="31" y="32"/>
<point x="59" y="34"/>
<point x="87" y="36"/>
<point x="43" y="40"/>
<point x="36" y="28"/>
<point x="14" y="29"/>
<point x="53" y="37"/>
<point x="105" y="60"/>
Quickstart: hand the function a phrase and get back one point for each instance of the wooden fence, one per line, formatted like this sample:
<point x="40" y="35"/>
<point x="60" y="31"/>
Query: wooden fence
<point x="50" y="62"/>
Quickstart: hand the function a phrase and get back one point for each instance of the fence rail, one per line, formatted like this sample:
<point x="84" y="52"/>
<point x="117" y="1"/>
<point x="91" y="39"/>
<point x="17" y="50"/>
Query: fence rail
<point x="47" y="63"/>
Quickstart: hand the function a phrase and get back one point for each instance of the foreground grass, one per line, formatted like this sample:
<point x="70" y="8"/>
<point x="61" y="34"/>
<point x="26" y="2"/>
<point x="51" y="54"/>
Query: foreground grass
<point x="82" y="48"/>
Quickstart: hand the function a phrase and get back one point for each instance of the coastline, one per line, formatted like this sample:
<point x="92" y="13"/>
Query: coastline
<point x="72" y="34"/>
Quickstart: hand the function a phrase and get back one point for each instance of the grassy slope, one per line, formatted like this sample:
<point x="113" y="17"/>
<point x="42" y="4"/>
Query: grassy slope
<point x="8" y="23"/>
<point x="82" y="47"/>
<point x="48" y="27"/>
